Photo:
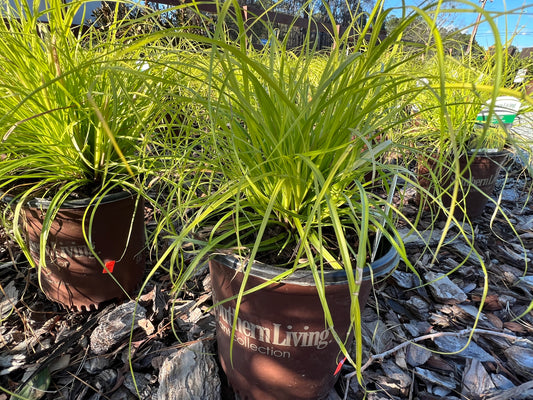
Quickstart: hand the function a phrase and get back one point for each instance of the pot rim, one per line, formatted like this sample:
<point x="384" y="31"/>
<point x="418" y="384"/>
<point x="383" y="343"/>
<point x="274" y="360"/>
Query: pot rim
<point x="487" y="153"/>
<point x="44" y="203"/>
<point x="304" y="276"/>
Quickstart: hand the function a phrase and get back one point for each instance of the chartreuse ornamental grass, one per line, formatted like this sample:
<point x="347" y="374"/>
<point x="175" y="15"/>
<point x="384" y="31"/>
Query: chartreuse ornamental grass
<point x="446" y="124"/>
<point x="78" y="112"/>
<point x="85" y="97"/>
<point x="82" y="115"/>
<point x="288" y="155"/>
<point x="447" y="116"/>
<point x="294" y="138"/>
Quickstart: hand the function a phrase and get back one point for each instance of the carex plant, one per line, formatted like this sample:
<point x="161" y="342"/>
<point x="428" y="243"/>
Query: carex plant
<point x="444" y="126"/>
<point x="464" y="115"/>
<point x="456" y="118"/>
<point x="454" y="114"/>
<point x="296" y="170"/>
<point x="77" y="114"/>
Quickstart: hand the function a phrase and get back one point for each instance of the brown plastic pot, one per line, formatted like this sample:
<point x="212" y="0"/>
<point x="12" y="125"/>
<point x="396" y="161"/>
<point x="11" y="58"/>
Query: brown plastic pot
<point x="73" y="276"/>
<point x="477" y="182"/>
<point x="529" y="88"/>
<point x="283" y="348"/>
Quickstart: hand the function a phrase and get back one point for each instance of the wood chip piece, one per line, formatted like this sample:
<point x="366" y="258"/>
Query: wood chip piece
<point x="438" y="363"/>
<point x="464" y="250"/>
<point x="520" y="360"/>
<point x="501" y="382"/>
<point x="405" y="280"/>
<point x="417" y="355"/>
<point x="522" y="392"/>
<point x="494" y="320"/>
<point x="418" y="306"/>
<point x="394" y="372"/>
<point x="443" y="289"/>
<point x="428" y="237"/>
<point x="454" y="344"/>
<point x="11" y="362"/>
<point x="9" y="300"/>
<point x="115" y="326"/>
<point x="476" y="380"/>
<point x="94" y="365"/>
<point x="105" y="380"/>
<point x="446" y="381"/>
<point x="189" y="373"/>
<point x="515" y="327"/>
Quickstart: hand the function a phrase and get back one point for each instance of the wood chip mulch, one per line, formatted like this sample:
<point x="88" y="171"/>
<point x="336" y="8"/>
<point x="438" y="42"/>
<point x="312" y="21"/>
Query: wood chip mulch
<point x="418" y="339"/>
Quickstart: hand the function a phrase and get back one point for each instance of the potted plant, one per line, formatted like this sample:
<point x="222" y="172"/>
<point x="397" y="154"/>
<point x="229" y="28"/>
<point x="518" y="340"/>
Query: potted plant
<point x="463" y="119"/>
<point x="76" y="117"/>
<point x="294" y="229"/>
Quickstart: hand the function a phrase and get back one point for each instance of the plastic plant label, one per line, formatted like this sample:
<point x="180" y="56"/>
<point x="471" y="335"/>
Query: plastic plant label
<point x="505" y="110"/>
<point x="338" y="369"/>
<point x="109" y="266"/>
<point x="520" y="75"/>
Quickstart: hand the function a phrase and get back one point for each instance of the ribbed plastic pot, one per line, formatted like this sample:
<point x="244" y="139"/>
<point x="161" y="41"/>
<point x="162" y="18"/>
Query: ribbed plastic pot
<point x="477" y="183"/>
<point x="73" y="276"/>
<point x="282" y="347"/>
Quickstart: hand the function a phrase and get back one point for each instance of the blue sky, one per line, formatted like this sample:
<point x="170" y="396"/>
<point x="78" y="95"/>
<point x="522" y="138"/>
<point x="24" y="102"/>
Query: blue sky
<point x="518" y="22"/>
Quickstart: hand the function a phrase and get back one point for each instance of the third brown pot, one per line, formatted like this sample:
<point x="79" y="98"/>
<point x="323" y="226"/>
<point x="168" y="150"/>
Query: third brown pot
<point x="476" y="186"/>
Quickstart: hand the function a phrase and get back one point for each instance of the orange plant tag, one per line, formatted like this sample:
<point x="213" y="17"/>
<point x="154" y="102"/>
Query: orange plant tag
<point x="109" y="266"/>
<point x="339" y="366"/>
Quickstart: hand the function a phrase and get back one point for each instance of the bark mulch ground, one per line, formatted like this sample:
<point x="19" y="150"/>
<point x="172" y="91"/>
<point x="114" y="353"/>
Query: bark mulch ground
<point x="418" y="339"/>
